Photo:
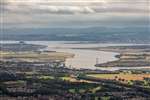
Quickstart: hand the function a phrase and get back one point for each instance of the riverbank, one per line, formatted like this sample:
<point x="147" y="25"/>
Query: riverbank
<point x="131" y="56"/>
<point x="104" y="56"/>
<point x="83" y="59"/>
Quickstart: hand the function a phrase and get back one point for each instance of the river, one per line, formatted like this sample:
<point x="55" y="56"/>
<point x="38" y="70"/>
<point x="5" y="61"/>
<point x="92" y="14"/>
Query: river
<point x="84" y="58"/>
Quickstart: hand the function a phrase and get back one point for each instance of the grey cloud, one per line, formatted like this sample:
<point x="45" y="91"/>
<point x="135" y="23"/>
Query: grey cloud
<point x="51" y="13"/>
<point x="69" y="7"/>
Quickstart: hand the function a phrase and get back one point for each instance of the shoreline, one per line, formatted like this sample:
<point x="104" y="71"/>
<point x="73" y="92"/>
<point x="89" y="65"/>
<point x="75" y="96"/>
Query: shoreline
<point x="72" y="48"/>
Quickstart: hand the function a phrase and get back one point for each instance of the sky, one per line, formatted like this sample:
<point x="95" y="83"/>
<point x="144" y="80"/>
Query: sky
<point x="73" y="13"/>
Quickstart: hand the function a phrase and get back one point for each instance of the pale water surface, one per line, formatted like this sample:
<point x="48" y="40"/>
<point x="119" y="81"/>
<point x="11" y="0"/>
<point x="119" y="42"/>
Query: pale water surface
<point x="84" y="58"/>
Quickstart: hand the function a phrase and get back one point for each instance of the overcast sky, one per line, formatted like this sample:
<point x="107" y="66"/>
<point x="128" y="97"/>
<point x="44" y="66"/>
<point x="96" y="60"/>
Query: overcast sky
<point x="73" y="13"/>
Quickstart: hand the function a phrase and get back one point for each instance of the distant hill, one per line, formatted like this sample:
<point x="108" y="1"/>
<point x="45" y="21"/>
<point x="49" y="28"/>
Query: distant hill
<point x="97" y="34"/>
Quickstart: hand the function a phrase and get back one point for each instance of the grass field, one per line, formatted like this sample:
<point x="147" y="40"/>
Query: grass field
<point x="72" y="79"/>
<point x="34" y="56"/>
<point x="121" y="76"/>
<point x="46" y="77"/>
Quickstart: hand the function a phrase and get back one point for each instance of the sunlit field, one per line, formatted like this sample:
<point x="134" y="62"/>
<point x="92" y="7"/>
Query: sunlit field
<point x="125" y="76"/>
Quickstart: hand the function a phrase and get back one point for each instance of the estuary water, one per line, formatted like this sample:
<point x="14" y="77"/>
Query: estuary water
<point x="84" y="58"/>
